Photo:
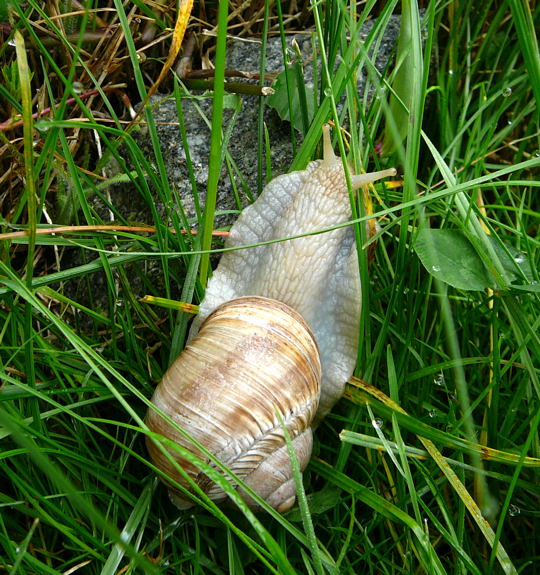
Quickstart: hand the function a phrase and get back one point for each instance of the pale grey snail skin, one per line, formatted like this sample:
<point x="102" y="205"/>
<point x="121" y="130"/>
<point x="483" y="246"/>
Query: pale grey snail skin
<point x="316" y="275"/>
<point x="253" y="367"/>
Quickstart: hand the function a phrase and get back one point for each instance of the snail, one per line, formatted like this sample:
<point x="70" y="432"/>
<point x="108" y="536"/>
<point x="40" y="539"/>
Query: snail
<point x="314" y="279"/>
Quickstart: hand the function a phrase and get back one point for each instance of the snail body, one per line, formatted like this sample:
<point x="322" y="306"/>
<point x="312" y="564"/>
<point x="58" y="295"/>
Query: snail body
<point x="216" y="398"/>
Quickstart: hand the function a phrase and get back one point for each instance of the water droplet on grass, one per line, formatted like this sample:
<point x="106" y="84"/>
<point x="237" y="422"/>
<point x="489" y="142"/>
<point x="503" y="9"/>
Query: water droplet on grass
<point x="439" y="380"/>
<point x="42" y="125"/>
<point x="513" y="510"/>
<point x="78" y="87"/>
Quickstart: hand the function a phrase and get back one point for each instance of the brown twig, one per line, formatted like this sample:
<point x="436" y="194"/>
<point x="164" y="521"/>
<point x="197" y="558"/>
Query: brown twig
<point x="11" y="125"/>
<point x="234" y="87"/>
<point x="97" y="228"/>
<point x="230" y="73"/>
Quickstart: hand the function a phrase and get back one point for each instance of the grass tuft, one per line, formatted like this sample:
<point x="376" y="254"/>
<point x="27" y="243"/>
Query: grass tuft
<point x="430" y="463"/>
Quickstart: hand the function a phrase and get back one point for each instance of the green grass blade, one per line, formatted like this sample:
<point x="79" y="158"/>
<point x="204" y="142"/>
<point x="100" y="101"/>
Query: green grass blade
<point x="215" y="162"/>
<point x="523" y="20"/>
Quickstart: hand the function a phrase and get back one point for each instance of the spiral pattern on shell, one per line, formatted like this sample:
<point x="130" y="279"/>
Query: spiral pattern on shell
<point x="253" y="363"/>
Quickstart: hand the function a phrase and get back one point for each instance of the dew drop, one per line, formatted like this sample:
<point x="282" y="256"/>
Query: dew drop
<point x="377" y="423"/>
<point x="450" y="72"/>
<point x="513" y="510"/>
<point x="290" y="56"/>
<point x="519" y="259"/>
<point x="42" y="125"/>
<point x="11" y="42"/>
<point x="433" y="413"/>
<point x="439" y="380"/>
<point x="328" y="91"/>
<point x="436" y="268"/>
<point x="507" y="92"/>
<point x="78" y="87"/>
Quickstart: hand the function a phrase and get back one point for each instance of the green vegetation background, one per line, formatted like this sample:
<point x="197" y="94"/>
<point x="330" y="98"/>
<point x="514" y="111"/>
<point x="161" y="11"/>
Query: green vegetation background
<point x="430" y="464"/>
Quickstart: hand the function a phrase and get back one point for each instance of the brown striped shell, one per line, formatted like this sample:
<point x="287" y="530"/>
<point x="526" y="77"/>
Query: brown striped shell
<point x="253" y="362"/>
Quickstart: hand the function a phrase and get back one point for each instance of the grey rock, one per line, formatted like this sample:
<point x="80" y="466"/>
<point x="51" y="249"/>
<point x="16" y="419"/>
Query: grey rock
<point x="131" y="205"/>
<point x="243" y="56"/>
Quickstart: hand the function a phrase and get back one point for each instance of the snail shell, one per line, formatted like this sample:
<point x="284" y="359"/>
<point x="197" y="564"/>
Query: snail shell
<point x="253" y="363"/>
